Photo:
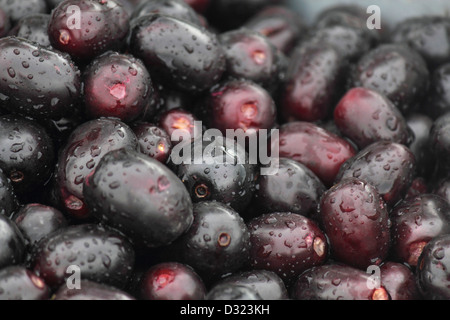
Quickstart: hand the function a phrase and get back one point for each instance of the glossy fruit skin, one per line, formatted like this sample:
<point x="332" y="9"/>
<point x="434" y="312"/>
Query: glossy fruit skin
<point x="312" y="84"/>
<point x="103" y="255"/>
<point x="350" y="42"/>
<point x="37" y="82"/>
<point x="178" y="9"/>
<point x="252" y="56"/>
<point x="34" y="28"/>
<point x="281" y="26"/>
<point x="117" y="85"/>
<point x="267" y="284"/>
<point x="12" y="243"/>
<point x="421" y="125"/>
<point x="439" y="141"/>
<point x="286" y="244"/>
<point x="18" y="283"/>
<point x="36" y="221"/>
<point x="8" y="199"/>
<point x="172" y="281"/>
<point x="27" y="155"/>
<point x="20" y="8"/>
<point x="356" y="221"/>
<point x="415" y="222"/>
<point x="232" y="292"/>
<point x="418" y="187"/>
<point x="433" y="265"/>
<point x="140" y="197"/>
<point x="240" y="104"/>
<point x="336" y="282"/>
<point x="366" y="116"/>
<point x="91" y="291"/>
<point x="104" y="26"/>
<point x="217" y="243"/>
<point x="213" y="177"/>
<point x="429" y="36"/>
<point x="294" y="188"/>
<point x="399" y="281"/>
<point x="178" y="120"/>
<point x="153" y="141"/>
<point x="170" y="48"/>
<point x="394" y="70"/>
<point x="319" y="150"/>
<point x="82" y="152"/>
<point x="388" y="166"/>
<point x="439" y="94"/>
<point x="5" y="23"/>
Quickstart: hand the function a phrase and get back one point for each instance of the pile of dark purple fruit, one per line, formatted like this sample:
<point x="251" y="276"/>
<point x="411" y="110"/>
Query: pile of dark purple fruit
<point x="93" y="205"/>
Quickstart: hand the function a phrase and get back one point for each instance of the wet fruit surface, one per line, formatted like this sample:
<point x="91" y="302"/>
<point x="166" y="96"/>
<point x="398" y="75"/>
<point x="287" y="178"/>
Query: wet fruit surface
<point x="18" y="283"/>
<point x="89" y="291"/>
<point x="356" y="221"/>
<point x="12" y="243"/>
<point x="153" y="141"/>
<point x="286" y="244"/>
<point x="99" y="254"/>
<point x="399" y="281"/>
<point x="139" y="196"/>
<point x="36" y="81"/>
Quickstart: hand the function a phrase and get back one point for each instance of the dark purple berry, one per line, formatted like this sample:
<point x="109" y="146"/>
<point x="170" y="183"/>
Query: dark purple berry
<point x="34" y="28"/>
<point x="286" y="244"/>
<point x="12" y="243"/>
<point x="153" y="141"/>
<point x="396" y="71"/>
<point x="117" y="85"/>
<point x="18" y="283"/>
<point x="420" y="126"/>
<point x="178" y="120"/>
<point x="81" y="154"/>
<point x="27" y="155"/>
<point x="140" y="197"/>
<point x="186" y="56"/>
<point x="337" y="282"/>
<point x="178" y="9"/>
<point x="356" y="221"/>
<point x="37" y="81"/>
<point x="101" y="26"/>
<point x="366" y="116"/>
<point x="433" y="275"/>
<point x="313" y="83"/>
<point x="415" y="222"/>
<point x="36" y="221"/>
<point x="399" y="281"/>
<point x="99" y="254"/>
<point x="232" y="292"/>
<point x="388" y="166"/>
<point x="267" y="284"/>
<point x="172" y="281"/>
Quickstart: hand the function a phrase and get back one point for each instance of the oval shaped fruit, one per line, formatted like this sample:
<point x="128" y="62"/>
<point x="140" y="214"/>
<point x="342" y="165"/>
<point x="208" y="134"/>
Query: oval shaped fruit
<point x="421" y="125"/>
<point x="388" y="166"/>
<point x="36" y="221"/>
<point x="394" y="70"/>
<point x="178" y="53"/>
<point x="27" y="154"/>
<point x="267" y="284"/>
<point x="89" y="291"/>
<point x="415" y="222"/>
<point x="92" y="28"/>
<point x="84" y="148"/>
<point x="36" y="81"/>
<point x="219" y="170"/>
<point x="12" y="243"/>
<point x="294" y="188"/>
<point x="117" y="85"/>
<point x="337" y="282"/>
<point x="18" y="283"/>
<point x="140" y="197"/>
<point x="153" y="141"/>
<point x="33" y="27"/>
<point x="313" y="83"/>
<point x="319" y="150"/>
<point x="366" y="116"/>
<point x="97" y="253"/>
<point x="433" y="274"/>
<point x="172" y="281"/>
<point x="399" y="281"/>
<point x="216" y="244"/>
<point x="356" y="221"/>
<point x="286" y="244"/>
